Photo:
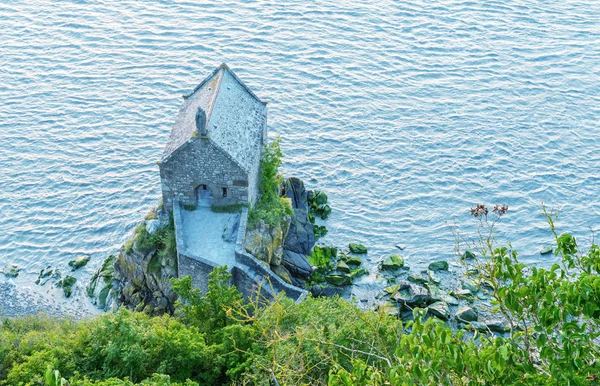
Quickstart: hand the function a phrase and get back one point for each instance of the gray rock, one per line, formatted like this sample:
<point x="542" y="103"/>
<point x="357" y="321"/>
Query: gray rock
<point x="461" y="293"/>
<point x="439" y="309"/>
<point x="469" y="285"/>
<point x="498" y="326"/>
<point x="450" y="300"/>
<point x="297" y="264"/>
<point x="467" y="314"/>
<point x="328" y="292"/>
<point x="152" y="226"/>
<point x="11" y="271"/>
<point x="300" y="237"/>
<point x="79" y="262"/>
<point x="440" y="265"/>
<point x="411" y="295"/>
<point x="230" y="231"/>
<point x="478" y="326"/>
<point x="282" y="273"/>
<point x="265" y="242"/>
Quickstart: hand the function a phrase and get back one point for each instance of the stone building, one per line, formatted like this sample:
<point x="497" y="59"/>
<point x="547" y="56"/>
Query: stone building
<point x="213" y="154"/>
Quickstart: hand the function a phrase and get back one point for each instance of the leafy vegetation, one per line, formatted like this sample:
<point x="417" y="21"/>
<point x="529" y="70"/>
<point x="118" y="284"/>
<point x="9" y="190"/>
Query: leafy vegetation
<point x="190" y="208"/>
<point x="163" y="240"/>
<point x="220" y="338"/>
<point x="233" y="208"/>
<point x="270" y="207"/>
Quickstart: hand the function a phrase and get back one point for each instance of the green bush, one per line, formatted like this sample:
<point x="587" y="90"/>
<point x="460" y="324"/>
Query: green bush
<point x="270" y="207"/>
<point x="163" y="240"/>
<point x="220" y="338"/>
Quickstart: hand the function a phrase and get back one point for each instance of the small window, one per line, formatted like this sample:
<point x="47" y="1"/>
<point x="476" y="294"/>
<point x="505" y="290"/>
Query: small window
<point x="224" y="192"/>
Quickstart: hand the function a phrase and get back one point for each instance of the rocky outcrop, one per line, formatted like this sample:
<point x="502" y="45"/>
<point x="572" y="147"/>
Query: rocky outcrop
<point x="139" y="277"/>
<point x="265" y="241"/>
<point x="297" y="264"/>
<point x="300" y="237"/>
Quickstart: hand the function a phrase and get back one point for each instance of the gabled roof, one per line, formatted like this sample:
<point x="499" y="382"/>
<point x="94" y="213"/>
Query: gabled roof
<point x="235" y="117"/>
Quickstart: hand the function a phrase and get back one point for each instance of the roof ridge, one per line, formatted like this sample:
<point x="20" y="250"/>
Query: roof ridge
<point x="225" y="67"/>
<point x="213" y="99"/>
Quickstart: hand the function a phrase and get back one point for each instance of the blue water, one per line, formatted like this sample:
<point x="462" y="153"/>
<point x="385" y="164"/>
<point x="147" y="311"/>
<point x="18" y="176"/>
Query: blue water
<point x="405" y="113"/>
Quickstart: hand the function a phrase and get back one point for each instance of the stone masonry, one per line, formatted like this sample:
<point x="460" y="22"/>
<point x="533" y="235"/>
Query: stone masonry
<point x="215" y="144"/>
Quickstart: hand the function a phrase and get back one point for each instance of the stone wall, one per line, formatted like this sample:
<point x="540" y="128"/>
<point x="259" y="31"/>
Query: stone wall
<point x="188" y="264"/>
<point x="249" y="274"/>
<point x="238" y="123"/>
<point x="201" y="162"/>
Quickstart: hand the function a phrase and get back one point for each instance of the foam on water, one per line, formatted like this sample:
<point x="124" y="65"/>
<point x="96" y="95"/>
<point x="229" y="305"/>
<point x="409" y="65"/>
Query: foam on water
<point x="405" y="113"/>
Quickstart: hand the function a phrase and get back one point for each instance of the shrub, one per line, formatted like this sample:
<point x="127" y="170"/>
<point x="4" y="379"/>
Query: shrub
<point x="233" y="208"/>
<point x="270" y="207"/>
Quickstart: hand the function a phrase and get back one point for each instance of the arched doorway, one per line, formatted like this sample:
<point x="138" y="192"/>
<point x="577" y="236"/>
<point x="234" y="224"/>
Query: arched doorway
<point x="204" y="196"/>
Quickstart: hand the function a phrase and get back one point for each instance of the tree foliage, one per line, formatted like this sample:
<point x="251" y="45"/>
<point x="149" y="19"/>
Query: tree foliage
<point x="220" y="338"/>
<point x="270" y="206"/>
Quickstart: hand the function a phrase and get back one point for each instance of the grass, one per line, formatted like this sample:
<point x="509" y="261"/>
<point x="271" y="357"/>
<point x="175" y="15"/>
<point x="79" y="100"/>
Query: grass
<point x="190" y="208"/>
<point x="233" y="208"/>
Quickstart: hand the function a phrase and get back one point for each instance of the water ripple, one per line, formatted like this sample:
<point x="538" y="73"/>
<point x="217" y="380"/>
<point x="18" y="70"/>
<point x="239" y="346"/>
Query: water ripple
<point x="406" y="114"/>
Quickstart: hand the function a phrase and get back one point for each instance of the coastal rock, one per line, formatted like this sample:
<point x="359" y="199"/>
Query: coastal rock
<point x="461" y="293"/>
<point x="439" y="309"/>
<point x="357" y="248"/>
<point x="417" y="279"/>
<point x="11" y="271"/>
<point x="103" y="287"/>
<point x="343" y="267"/>
<point x="546" y="250"/>
<point x="300" y="237"/>
<point x="468" y="255"/>
<point x="478" y="326"/>
<point x="67" y="284"/>
<point x="328" y="292"/>
<point x="498" y="326"/>
<point x="392" y="263"/>
<point x="152" y="226"/>
<point x="339" y="280"/>
<point x="297" y="264"/>
<point x="265" y="242"/>
<point x="353" y="260"/>
<point x="356" y="272"/>
<point x="412" y="295"/>
<point x="44" y="276"/>
<point x="471" y="286"/>
<point x="467" y="314"/>
<point x="440" y="265"/>
<point x="282" y="273"/>
<point x="79" y="262"/>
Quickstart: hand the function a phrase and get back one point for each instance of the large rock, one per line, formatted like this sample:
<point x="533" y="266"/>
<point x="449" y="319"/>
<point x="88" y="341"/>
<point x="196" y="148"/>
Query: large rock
<point x="79" y="262"/>
<point x="265" y="242"/>
<point x="300" y="237"/>
<point x="440" y="265"/>
<point x="439" y="309"/>
<point x="467" y="314"/>
<point x="282" y="273"/>
<point x="392" y="263"/>
<point x="297" y="264"/>
<point x="411" y="294"/>
<point x="138" y="280"/>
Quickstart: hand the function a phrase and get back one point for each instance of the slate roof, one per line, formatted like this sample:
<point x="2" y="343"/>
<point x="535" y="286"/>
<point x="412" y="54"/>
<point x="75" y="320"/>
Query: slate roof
<point x="235" y="117"/>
